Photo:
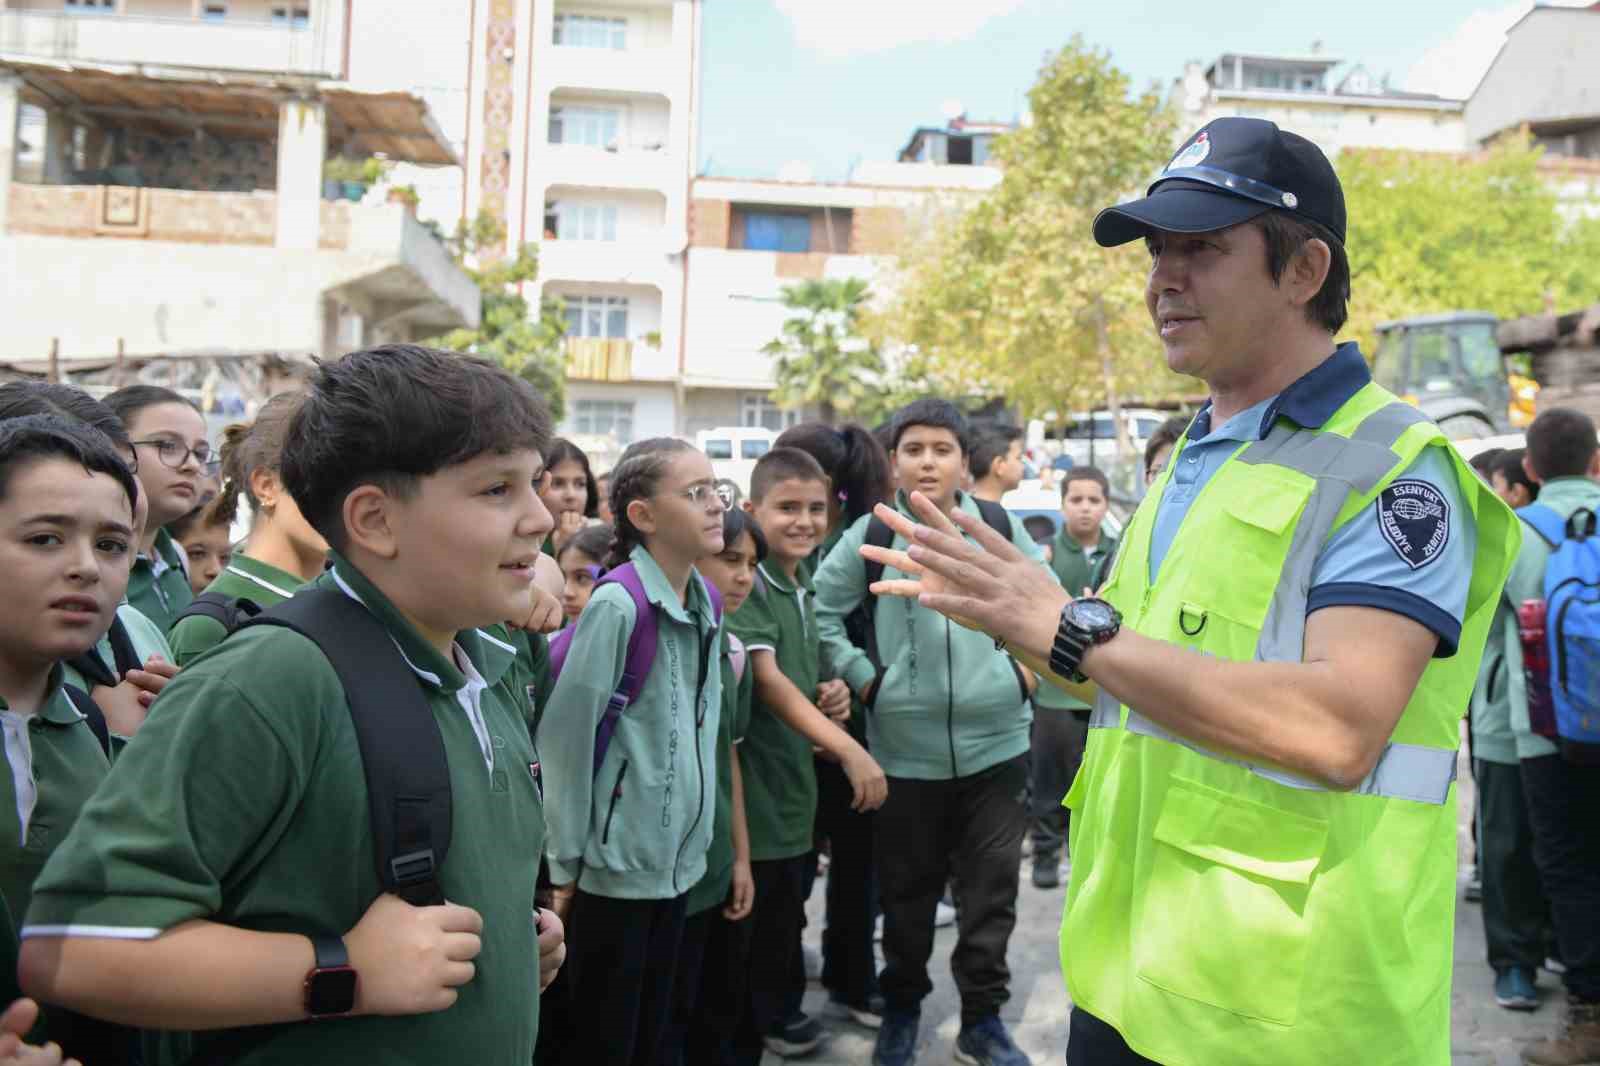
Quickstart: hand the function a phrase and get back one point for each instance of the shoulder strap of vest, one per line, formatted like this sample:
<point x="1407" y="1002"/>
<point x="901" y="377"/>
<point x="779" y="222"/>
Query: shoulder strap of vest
<point x="402" y="751"/>
<point x="90" y="710"/>
<point x="1545" y="521"/>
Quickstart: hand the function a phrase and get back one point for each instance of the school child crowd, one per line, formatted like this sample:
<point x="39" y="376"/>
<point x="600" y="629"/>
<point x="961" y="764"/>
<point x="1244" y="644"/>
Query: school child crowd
<point x="486" y="757"/>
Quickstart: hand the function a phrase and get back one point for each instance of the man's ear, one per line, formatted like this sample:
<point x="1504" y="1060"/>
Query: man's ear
<point x="748" y="505"/>
<point x="370" y="521"/>
<point x="1308" y="269"/>
<point x="642" y="515"/>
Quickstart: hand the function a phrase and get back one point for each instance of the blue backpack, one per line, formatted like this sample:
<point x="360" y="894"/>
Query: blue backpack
<point x="1572" y="626"/>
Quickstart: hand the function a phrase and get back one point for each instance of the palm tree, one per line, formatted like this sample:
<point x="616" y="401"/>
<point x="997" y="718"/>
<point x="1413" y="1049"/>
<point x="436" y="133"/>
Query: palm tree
<point x="821" y="358"/>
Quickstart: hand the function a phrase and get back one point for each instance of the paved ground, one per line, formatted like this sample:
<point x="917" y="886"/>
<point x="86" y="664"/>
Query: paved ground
<point x="1483" y="1034"/>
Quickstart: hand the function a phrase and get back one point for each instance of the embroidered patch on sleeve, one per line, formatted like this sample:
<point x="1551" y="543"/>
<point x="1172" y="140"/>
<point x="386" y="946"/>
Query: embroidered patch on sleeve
<point x="1414" y="517"/>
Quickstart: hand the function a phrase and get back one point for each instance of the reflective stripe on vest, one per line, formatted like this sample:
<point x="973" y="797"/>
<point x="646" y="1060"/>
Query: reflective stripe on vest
<point x="1340" y="467"/>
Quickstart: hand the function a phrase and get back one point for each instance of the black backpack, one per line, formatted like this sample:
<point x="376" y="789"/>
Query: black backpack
<point x="858" y="624"/>
<point x="230" y="611"/>
<point x="96" y="673"/>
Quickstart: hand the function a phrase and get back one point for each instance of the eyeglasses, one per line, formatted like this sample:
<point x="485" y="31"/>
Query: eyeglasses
<point x="701" y="493"/>
<point x="211" y="467"/>
<point x="130" y="458"/>
<point x="174" y="453"/>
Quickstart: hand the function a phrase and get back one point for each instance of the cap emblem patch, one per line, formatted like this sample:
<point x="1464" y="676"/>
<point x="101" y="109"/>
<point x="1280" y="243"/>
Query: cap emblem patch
<point x="1291" y="200"/>
<point x="1194" y="154"/>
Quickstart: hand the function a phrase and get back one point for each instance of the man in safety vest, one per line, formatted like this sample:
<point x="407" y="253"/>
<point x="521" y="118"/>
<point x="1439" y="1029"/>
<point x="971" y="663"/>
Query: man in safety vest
<point x="1264" y="827"/>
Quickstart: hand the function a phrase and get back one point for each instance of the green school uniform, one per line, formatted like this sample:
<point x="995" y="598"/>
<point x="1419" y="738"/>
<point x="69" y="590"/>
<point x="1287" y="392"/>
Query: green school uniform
<point x="245" y="578"/>
<point x="780" y="782"/>
<point x="268" y="828"/>
<point x="533" y="661"/>
<point x="146" y="638"/>
<point x="159" y="586"/>
<point x="712" y="891"/>
<point x="1076" y="568"/>
<point x="640" y="827"/>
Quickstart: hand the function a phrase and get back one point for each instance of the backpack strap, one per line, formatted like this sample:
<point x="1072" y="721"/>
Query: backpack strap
<point x="123" y="652"/>
<point x="641" y="656"/>
<point x="994" y="516"/>
<point x="737" y="656"/>
<point x="94" y="669"/>
<point x="87" y="707"/>
<point x="402" y="751"/>
<point x="1545" y="521"/>
<point x="230" y="612"/>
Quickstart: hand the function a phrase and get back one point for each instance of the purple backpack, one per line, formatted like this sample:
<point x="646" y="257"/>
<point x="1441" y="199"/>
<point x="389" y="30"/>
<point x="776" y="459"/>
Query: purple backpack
<point x="641" y="650"/>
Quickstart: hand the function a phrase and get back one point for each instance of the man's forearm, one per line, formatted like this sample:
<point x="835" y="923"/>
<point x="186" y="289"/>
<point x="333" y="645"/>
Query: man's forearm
<point x="198" y="975"/>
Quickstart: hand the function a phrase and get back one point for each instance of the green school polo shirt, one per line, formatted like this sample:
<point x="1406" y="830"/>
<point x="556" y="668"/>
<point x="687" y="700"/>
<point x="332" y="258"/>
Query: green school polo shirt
<point x="712" y="891"/>
<point x="780" y="783"/>
<point x="54" y="764"/>
<point x="146" y="638"/>
<point x="244" y="578"/>
<point x="533" y="660"/>
<point x="159" y="587"/>
<point x="267" y="828"/>
<point x="1075" y="567"/>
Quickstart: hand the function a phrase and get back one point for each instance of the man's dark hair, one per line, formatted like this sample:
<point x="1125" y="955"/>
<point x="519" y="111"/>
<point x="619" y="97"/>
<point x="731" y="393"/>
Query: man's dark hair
<point x="50" y="436"/>
<point x="391" y="415"/>
<point x="1485" y="460"/>
<point x="1508" y="464"/>
<point x="784" y="464"/>
<point x="128" y="401"/>
<point x="1086" y="473"/>
<point x="562" y="450"/>
<point x="1165" y="436"/>
<point x="853" y="459"/>
<point x="1286" y="234"/>
<point x="1561" y="443"/>
<point x="990" y="442"/>
<point x="939" y="414"/>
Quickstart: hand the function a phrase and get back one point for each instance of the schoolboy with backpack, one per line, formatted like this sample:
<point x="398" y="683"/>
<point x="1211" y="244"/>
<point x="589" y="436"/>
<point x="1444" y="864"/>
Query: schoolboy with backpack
<point x="334" y="815"/>
<point x="1554" y="586"/>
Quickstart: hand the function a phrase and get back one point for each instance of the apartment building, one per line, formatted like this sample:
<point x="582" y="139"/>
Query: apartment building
<point x="1311" y="95"/>
<point x="162" y="194"/>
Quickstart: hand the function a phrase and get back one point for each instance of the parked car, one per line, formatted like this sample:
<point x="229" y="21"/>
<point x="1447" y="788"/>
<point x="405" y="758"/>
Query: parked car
<point x="733" y="451"/>
<point x="1090" y="438"/>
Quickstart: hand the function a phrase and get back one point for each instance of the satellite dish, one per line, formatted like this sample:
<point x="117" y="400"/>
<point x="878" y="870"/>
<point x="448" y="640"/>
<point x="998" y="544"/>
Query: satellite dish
<point x="952" y="109"/>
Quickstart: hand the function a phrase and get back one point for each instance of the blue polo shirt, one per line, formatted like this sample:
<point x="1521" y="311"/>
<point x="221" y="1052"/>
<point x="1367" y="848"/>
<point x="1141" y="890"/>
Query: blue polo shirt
<point x="1363" y="563"/>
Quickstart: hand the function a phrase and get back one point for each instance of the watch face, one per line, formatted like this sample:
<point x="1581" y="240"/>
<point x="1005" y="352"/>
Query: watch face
<point x="1092" y="615"/>
<point x="331" y="991"/>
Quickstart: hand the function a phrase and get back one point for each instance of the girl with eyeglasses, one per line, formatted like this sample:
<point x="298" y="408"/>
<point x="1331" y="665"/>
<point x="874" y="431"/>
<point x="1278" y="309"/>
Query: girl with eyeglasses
<point x="170" y="452"/>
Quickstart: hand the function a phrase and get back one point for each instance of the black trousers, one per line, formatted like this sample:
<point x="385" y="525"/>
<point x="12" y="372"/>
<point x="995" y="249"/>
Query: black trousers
<point x="1562" y="801"/>
<point x="849" y="968"/>
<point x="1091" y="1042"/>
<point x="774" y="945"/>
<point x="1515" y="914"/>
<point x="708" y="993"/>
<point x="622" y="956"/>
<point x="1058" y="740"/>
<point x="971" y="827"/>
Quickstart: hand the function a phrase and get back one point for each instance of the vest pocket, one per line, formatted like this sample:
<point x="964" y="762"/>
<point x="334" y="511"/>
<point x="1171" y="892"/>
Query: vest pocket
<point x="1223" y="918"/>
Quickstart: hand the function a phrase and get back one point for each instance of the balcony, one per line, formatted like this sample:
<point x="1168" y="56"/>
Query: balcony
<point x="599" y="359"/>
<point x="640" y="261"/>
<point x="633" y="70"/>
<point x="621" y="168"/>
<point x="233" y="45"/>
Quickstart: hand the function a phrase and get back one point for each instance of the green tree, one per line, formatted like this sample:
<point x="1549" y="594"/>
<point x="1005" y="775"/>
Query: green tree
<point x="823" y="358"/>
<point x="1012" y="296"/>
<point x="532" y="347"/>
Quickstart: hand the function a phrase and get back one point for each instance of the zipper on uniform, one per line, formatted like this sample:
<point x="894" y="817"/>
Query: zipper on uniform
<point x="950" y="696"/>
<point x="616" y="794"/>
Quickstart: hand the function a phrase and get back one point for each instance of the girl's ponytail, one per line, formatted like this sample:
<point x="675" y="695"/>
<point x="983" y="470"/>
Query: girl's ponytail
<point x="852" y="458"/>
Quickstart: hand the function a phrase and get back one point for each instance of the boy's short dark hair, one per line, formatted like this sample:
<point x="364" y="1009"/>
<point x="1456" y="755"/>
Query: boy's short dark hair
<point x="940" y="414"/>
<point x="990" y="442"/>
<point x="18" y="398"/>
<point x="31" y="437"/>
<point x="783" y="464"/>
<point x="390" y="415"/>
<point x="1561" y="443"/>
<point x="1086" y="473"/>
<point x="1508" y="464"/>
<point x="1165" y="436"/>
<point x="1485" y="460"/>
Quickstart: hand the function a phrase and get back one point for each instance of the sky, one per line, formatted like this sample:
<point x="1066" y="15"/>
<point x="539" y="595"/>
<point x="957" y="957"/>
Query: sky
<point x="798" y="86"/>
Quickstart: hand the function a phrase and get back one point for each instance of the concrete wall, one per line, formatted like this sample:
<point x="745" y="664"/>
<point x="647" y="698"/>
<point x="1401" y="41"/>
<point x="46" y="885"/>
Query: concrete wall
<point x="1547" y="70"/>
<point x="1334" y="123"/>
<point x="654" y="415"/>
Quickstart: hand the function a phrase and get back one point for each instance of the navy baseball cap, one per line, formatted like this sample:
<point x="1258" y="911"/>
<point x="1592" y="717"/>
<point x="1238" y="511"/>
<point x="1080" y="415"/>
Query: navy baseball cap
<point x="1229" y="172"/>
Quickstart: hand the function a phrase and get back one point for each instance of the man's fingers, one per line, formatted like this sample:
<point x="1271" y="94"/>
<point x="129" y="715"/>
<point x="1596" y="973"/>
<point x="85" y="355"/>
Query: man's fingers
<point x="462" y="947"/>
<point x="930" y="514"/>
<point x="969" y="611"/>
<point x="457" y="974"/>
<point x="454" y="918"/>
<point x="992" y="542"/>
<point x="906" y="588"/>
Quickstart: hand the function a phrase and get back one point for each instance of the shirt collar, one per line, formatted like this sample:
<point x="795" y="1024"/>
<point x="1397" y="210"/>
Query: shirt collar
<point x="431" y="665"/>
<point x="659" y="591"/>
<point x="1310" y="401"/>
<point x="55" y="708"/>
<point x="166" y="555"/>
<point x="1067" y="540"/>
<point x="774" y="576"/>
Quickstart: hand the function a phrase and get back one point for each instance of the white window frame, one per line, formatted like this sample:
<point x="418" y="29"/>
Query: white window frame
<point x="580" y="220"/>
<point x="595" y="316"/>
<point x="604" y="417"/>
<point x="600" y="127"/>
<point x="91" y="7"/>
<point x="292" y="15"/>
<point x="757" y="411"/>
<point x="582" y="30"/>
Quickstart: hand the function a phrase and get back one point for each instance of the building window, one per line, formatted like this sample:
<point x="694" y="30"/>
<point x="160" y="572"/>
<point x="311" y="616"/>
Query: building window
<point x="297" y="18"/>
<point x="597" y="316"/>
<point x="580" y="222"/>
<point x="596" y="126"/>
<point x="603" y="418"/>
<point x="214" y="12"/>
<point x="592" y="31"/>
<point x="91" y="7"/>
<point x="776" y="232"/>
<point x="757" y="409"/>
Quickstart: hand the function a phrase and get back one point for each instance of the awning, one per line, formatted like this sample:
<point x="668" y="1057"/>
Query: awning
<point x="237" y="106"/>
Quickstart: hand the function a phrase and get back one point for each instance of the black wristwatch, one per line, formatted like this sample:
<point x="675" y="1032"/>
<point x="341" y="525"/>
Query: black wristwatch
<point x="1084" y="623"/>
<point x="331" y="984"/>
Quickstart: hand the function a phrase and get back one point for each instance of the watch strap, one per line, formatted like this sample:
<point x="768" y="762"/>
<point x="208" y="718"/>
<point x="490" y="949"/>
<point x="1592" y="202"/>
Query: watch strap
<point x="330" y="952"/>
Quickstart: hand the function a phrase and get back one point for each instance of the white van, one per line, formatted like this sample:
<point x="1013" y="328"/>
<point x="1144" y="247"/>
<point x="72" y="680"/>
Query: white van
<point x="733" y="451"/>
